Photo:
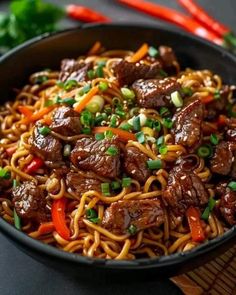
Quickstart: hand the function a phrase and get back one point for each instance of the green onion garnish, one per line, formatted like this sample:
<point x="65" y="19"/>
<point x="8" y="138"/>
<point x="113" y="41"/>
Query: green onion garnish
<point x="209" y="208"/>
<point x="140" y="137"/>
<point x="15" y="183"/>
<point x="86" y="118"/>
<point x="176" y="99"/>
<point x="60" y="84"/>
<point x="113" y="121"/>
<point x="99" y="71"/>
<point x="58" y="99"/>
<point x="127" y="93"/>
<point x="154" y="164"/>
<point x="107" y="110"/>
<point x="160" y="140"/>
<point x="163" y="149"/>
<point x="125" y="126"/>
<point x="4" y="173"/>
<point x="48" y="103"/>
<point x="68" y="85"/>
<point x="86" y="130"/>
<point x="153" y="52"/>
<point x="108" y="134"/>
<point x="105" y="187"/>
<point x="214" y="139"/>
<point x="168" y="123"/>
<point x="66" y="150"/>
<point x="41" y="79"/>
<point x="17" y="220"/>
<point x="116" y="101"/>
<point x="85" y="89"/>
<point x="187" y="91"/>
<point x="132" y="230"/>
<point x="45" y="130"/>
<point x="92" y="215"/>
<point x="136" y="123"/>
<point x="211" y="203"/>
<point x="103" y="86"/>
<point x="163" y="73"/>
<point x="99" y="136"/>
<point x="232" y="185"/>
<point x="157" y="126"/>
<point x="99" y="118"/>
<point x="204" y="151"/>
<point x="217" y="94"/>
<point x="126" y="182"/>
<point x="69" y="101"/>
<point x="149" y="123"/>
<point x="101" y="63"/>
<point x="164" y="111"/>
<point x="115" y="185"/>
<point x="112" y="151"/>
<point x="91" y="74"/>
<point x="120" y="112"/>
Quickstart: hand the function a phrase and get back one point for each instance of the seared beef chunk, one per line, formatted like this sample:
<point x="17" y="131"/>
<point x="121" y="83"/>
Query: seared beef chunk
<point x="188" y="162"/>
<point x="168" y="57"/>
<point x="4" y="183"/>
<point x="30" y="202"/>
<point x="139" y="213"/>
<point x="223" y="161"/>
<point x="228" y="207"/>
<point x="92" y="155"/>
<point x="187" y="125"/>
<point x="155" y="93"/>
<point x="184" y="189"/>
<point x="66" y="121"/>
<point x="127" y="72"/>
<point x="46" y="147"/>
<point x="135" y="164"/>
<point x="80" y="184"/>
<point x="72" y="69"/>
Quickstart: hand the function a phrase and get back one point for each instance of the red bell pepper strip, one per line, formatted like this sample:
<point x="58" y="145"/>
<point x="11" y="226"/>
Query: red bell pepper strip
<point x="195" y="224"/>
<point x="59" y="218"/>
<point x="175" y="17"/>
<point x="34" y="165"/>
<point x="46" y="228"/>
<point x="85" y="14"/>
<point x="209" y="22"/>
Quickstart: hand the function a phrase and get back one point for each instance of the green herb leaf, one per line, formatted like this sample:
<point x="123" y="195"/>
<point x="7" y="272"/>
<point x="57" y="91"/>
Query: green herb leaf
<point x="112" y="151"/>
<point x="132" y="230"/>
<point x="214" y="139"/>
<point x="232" y="185"/>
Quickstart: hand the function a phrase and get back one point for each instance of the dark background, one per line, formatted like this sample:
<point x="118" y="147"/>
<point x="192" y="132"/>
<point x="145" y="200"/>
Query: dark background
<point x="20" y="274"/>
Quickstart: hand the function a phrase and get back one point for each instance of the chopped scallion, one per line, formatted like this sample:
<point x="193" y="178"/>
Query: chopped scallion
<point x="67" y="150"/>
<point x="126" y="182"/>
<point x="112" y="151"/>
<point x="127" y="93"/>
<point x="48" y="103"/>
<point x="136" y="123"/>
<point x="149" y="123"/>
<point x="176" y="99"/>
<point x="17" y="220"/>
<point x="168" y="123"/>
<point x="208" y="209"/>
<point x="140" y="137"/>
<point x="152" y="51"/>
<point x="164" y="111"/>
<point x="91" y="74"/>
<point x="113" y="121"/>
<point x="126" y="126"/>
<point x="163" y="149"/>
<point x="232" y="185"/>
<point x="4" y="173"/>
<point x="214" y="139"/>
<point x="187" y="91"/>
<point x="108" y="134"/>
<point x="217" y="94"/>
<point x="105" y="187"/>
<point x="91" y="213"/>
<point x="160" y="140"/>
<point x="99" y="136"/>
<point x="154" y="164"/>
<point x="204" y="151"/>
<point x="99" y="71"/>
<point x="157" y="126"/>
<point x="115" y="185"/>
<point x="86" y="130"/>
<point x="132" y="230"/>
<point x="103" y="86"/>
<point x="68" y="85"/>
<point x="45" y="130"/>
<point x="85" y="89"/>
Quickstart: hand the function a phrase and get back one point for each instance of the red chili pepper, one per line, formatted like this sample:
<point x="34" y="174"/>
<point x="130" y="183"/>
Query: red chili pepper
<point x="59" y="219"/>
<point x="195" y="224"/>
<point x="175" y="17"/>
<point x="46" y="228"/>
<point x="34" y="165"/>
<point x="85" y="14"/>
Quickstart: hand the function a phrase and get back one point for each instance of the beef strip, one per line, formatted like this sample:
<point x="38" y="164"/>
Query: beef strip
<point x="184" y="189"/>
<point x="223" y="161"/>
<point x="168" y="58"/>
<point x="140" y="213"/>
<point x="80" y="184"/>
<point x="72" y="69"/>
<point x="127" y="72"/>
<point x="135" y="164"/>
<point x="155" y="93"/>
<point x="46" y="147"/>
<point x="91" y="155"/>
<point x="66" y="121"/>
<point x="187" y="129"/>
<point x="30" y="202"/>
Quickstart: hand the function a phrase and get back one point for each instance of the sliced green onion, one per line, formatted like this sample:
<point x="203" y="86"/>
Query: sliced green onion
<point x="15" y="183"/>
<point x="69" y="101"/>
<point x="99" y="136"/>
<point x="163" y="73"/>
<point x="126" y="182"/>
<point x="136" y="123"/>
<point x="60" y="84"/>
<point x="164" y="111"/>
<point x="112" y="151"/>
<point x="68" y="85"/>
<point x="140" y="137"/>
<point x="115" y="185"/>
<point x="168" y="123"/>
<point x="4" y="173"/>
<point x="17" y="220"/>
<point x="176" y="99"/>
<point x="127" y="93"/>
<point x="125" y="126"/>
<point x="85" y="89"/>
<point x="217" y="94"/>
<point x="120" y="112"/>
<point x="113" y="121"/>
<point x="116" y="101"/>
<point x="214" y="139"/>
<point x="154" y="164"/>
<point x="134" y="111"/>
<point x="86" y="118"/>
<point x="45" y="130"/>
<point x="152" y="51"/>
<point x="108" y="134"/>
<point x="187" y="91"/>
<point x="211" y="203"/>
<point x="149" y="123"/>
<point x="48" y="103"/>
<point x="58" y="99"/>
<point x="91" y="74"/>
<point x="105" y="187"/>
<point x="92" y="215"/>
<point x="160" y="140"/>
<point x="99" y="71"/>
<point x="67" y="150"/>
<point x="232" y="185"/>
<point x="157" y="126"/>
<point x="204" y="151"/>
<point x="132" y="230"/>
<point x="99" y="118"/>
<point x="86" y="130"/>
<point x="103" y="86"/>
<point x="163" y="149"/>
<point x="206" y="213"/>
<point x="101" y="63"/>
<point x="95" y="104"/>
<point x="95" y="220"/>
<point x="41" y="79"/>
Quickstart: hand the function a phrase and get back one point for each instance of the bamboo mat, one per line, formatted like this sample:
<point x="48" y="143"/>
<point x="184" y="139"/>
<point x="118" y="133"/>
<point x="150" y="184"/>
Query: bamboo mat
<point x="217" y="277"/>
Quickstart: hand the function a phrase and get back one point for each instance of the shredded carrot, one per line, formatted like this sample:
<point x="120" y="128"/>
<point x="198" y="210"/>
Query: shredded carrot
<point x="207" y="99"/>
<point x="24" y="110"/>
<point x="95" y="48"/>
<point x="37" y="115"/>
<point x="140" y="53"/>
<point x="46" y="228"/>
<point x="222" y="120"/>
<point x="88" y="96"/>
<point x="10" y="151"/>
<point x="122" y="134"/>
<point x="48" y="119"/>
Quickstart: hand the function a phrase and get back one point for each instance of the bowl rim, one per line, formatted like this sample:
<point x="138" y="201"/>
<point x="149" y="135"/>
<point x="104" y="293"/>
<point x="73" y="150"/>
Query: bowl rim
<point x="144" y="263"/>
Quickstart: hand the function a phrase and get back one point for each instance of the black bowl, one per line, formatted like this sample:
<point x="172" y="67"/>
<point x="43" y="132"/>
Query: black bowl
<point x="46" y="52"/>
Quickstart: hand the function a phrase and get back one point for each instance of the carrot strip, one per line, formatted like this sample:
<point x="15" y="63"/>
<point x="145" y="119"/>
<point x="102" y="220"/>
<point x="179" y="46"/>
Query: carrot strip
<point x="24" y="110"/>
<point x="95" y="48"/>
<point x="88" y="96"/>
<point x="122" y="134"/>
<point x="38" y="115"/>
<point x="140" y="53"/>
<point x="48" y="119"/>
<point x="46" y="228"/>
<point x="207" y="99"/>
